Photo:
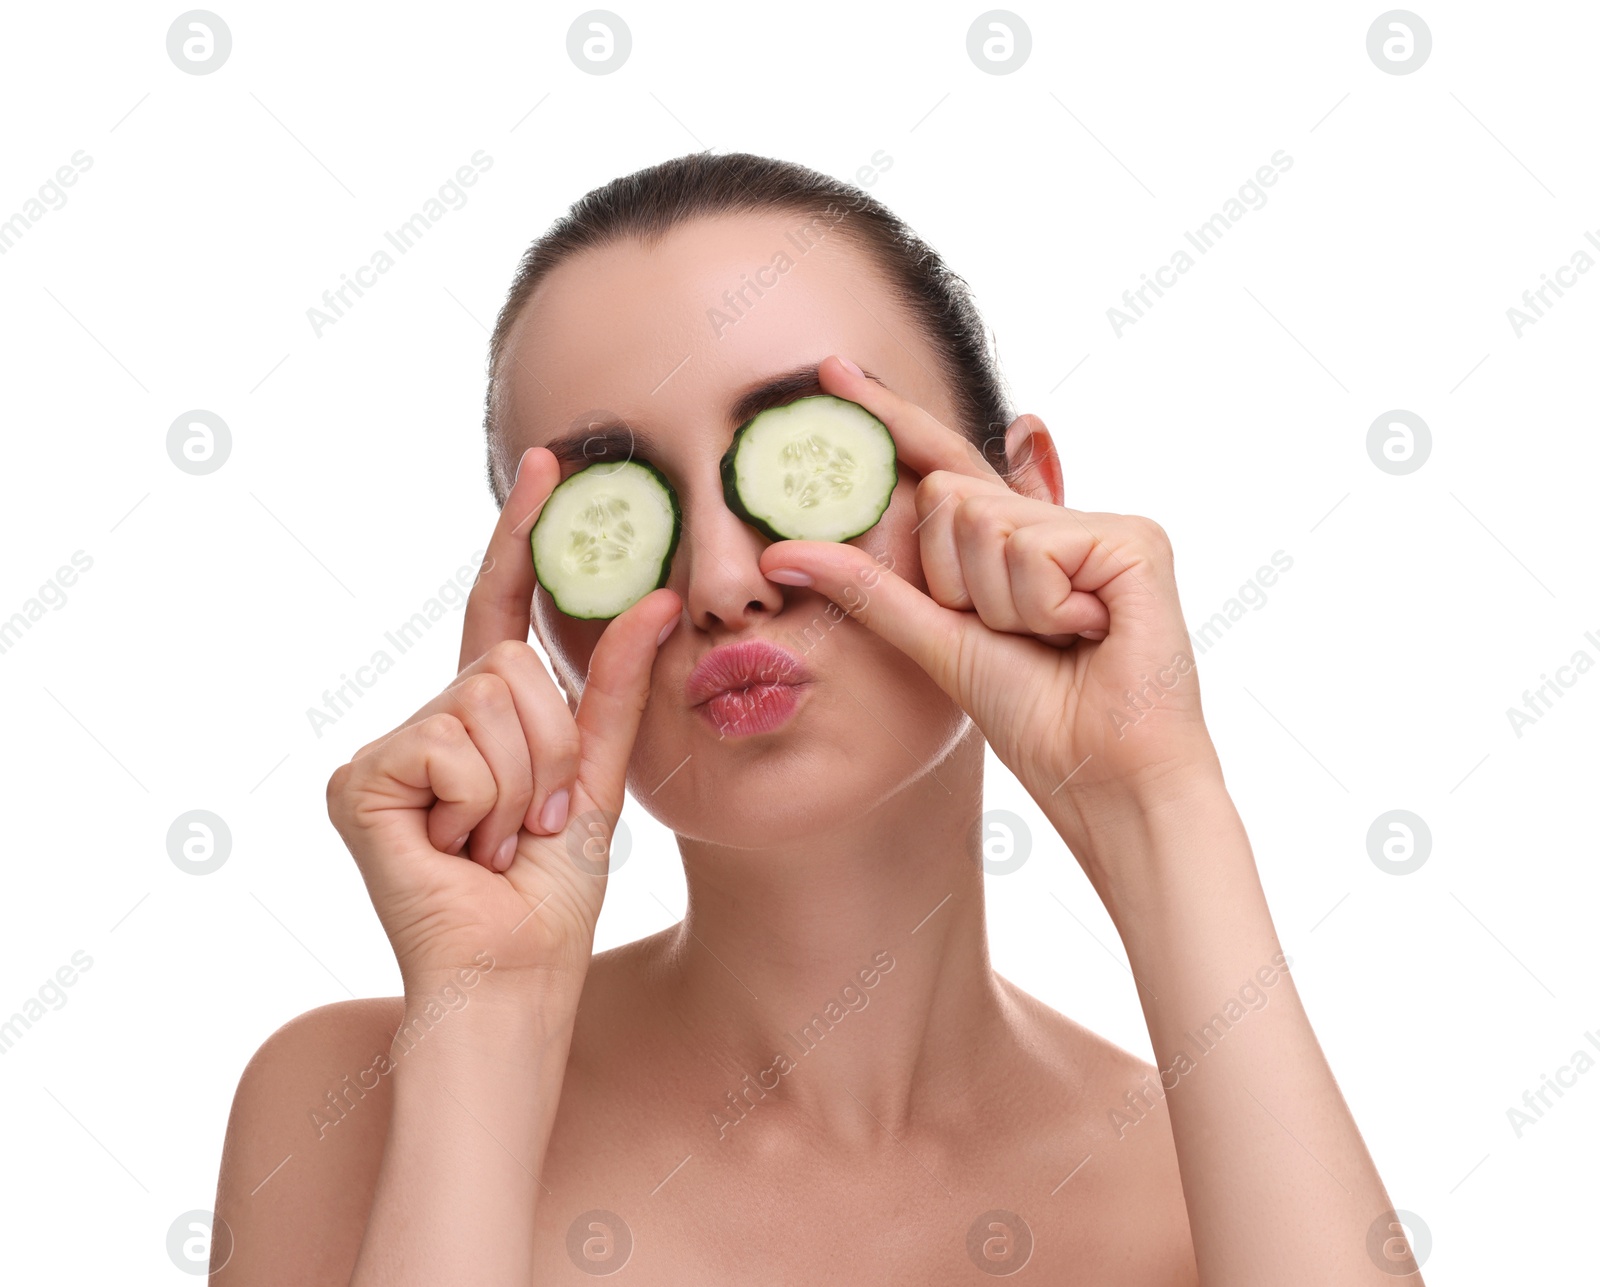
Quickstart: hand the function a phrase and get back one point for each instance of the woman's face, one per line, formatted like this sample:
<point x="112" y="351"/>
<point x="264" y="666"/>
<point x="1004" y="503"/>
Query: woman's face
<point x="668" y="341"/>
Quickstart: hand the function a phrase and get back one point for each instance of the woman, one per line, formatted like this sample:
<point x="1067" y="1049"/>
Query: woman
<point x="816" y="1076"/>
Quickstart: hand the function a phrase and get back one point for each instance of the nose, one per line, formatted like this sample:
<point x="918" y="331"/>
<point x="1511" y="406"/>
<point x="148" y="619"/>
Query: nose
<point x="718" y="558"/>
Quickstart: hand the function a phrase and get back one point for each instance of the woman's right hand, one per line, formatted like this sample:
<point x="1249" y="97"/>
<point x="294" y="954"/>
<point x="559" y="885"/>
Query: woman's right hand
<point x="443" y="814"/>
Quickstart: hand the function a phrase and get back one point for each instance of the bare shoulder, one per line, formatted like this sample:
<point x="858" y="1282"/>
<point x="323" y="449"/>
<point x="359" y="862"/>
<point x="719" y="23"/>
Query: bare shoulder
<point x="1116" y="1184"/>
<point x="304" y="1143"/>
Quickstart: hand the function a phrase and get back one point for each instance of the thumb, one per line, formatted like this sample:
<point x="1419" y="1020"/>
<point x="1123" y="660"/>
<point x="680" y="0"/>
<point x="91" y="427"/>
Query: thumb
<point x="888" y="605"/>
<point x="614" y="696"/>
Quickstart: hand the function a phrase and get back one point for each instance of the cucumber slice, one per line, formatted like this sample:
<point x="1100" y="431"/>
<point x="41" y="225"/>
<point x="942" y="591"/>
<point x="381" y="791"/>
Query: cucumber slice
<point x="605" y="538"/>
<point x="818" y="469"/>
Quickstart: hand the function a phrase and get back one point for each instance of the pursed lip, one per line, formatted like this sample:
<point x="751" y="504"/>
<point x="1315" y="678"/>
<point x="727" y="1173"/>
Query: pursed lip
<point x="749" y="663"/>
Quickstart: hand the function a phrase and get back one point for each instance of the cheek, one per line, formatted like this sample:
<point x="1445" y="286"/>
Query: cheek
<point x="569" y="642"/>
<point x="894" y="540"/>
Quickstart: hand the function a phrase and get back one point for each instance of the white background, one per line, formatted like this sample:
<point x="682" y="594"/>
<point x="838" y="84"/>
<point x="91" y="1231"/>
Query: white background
<point x="177" y="675"/>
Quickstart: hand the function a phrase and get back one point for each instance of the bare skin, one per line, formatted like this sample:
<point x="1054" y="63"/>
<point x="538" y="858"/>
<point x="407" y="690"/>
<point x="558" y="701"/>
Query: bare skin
<point x="558" y="1083"/>
<point x="770" y="1196"/>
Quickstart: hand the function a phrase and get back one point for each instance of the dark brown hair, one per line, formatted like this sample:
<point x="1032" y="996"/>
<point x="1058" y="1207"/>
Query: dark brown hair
<point x="649" y="203"/>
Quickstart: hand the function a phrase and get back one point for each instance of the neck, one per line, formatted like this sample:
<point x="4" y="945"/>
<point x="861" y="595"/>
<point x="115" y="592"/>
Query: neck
<point x="845" y="972"/>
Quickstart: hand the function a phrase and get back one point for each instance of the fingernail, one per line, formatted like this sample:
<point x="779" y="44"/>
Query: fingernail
<point x="518" y="474"/>
<point x="849" y="365"/>
<point x="662" y="638"/>
<point x="506" y="852"/>
<point x="554" y="816"/>
<point x="789" y="576"/>
<point x="459" y="845"/>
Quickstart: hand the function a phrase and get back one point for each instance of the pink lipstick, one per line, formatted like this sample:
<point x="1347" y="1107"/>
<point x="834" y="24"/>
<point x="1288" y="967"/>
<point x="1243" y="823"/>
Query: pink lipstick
<point x="748" y="687"/>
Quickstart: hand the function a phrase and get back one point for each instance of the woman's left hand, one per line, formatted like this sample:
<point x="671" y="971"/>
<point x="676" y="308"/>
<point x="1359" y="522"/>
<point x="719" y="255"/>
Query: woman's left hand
<point x="1057" y="630"/>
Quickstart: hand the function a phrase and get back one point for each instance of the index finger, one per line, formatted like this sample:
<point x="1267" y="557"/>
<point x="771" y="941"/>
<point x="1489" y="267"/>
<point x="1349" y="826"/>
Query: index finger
<point x="500" y="604"/>
<point x="922" y="442"/>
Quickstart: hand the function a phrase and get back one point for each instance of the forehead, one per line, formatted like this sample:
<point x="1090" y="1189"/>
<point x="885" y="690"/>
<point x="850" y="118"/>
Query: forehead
<point x="666" y="337"/>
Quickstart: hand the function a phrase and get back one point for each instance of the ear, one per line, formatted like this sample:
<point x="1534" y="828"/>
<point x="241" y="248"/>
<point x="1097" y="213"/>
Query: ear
<point x="1035" y="467"/>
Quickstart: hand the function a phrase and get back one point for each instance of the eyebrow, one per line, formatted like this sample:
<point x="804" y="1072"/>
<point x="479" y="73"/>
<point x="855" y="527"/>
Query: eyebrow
<point x="593" y="439"/>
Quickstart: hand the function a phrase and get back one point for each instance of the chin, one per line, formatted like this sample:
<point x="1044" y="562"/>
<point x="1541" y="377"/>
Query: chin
<point x="822" y="769"/>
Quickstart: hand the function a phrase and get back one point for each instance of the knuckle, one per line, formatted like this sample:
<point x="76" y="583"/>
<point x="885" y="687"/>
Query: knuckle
<point x="482" y="796"/>
<point x="484" y="694"/>
<point x="933" y="487"/>
<point x="338" y="788"/>
<point x="561" y="747"/>
<point x="507" y="654"/>
<point x="1152" y="532"/>
<point x="442" y="732"/>
<point x="977" y="515"/>
<point x="339" y="779"/>
<point x="1027" y="542"/>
